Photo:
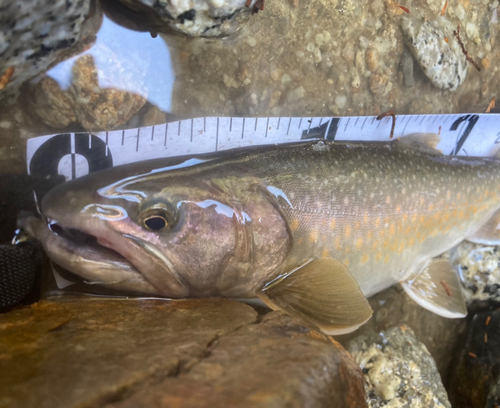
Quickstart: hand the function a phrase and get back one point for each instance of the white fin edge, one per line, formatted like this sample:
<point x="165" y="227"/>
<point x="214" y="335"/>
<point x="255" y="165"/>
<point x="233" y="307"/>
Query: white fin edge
<point x="430" y="306"/>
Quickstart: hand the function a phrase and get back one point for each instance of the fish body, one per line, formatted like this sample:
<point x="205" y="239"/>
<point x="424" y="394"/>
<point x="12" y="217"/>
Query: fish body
<point x="230" y="224"/>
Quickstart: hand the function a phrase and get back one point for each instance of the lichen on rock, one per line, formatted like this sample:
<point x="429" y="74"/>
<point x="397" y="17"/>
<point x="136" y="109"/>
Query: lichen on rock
<point x="399" y="370"/>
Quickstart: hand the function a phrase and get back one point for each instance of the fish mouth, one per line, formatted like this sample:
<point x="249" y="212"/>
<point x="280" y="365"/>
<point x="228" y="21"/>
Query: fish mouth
<point x="88" y="240"/>
<point x="95" y="247"/>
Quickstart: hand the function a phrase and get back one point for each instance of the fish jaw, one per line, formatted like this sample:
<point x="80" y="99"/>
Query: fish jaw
<point x="112" y="229"/>
<point x="94" y="263"/>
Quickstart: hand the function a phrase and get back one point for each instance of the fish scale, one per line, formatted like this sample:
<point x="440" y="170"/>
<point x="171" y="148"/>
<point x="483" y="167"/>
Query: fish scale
<point x="379" y="207"/>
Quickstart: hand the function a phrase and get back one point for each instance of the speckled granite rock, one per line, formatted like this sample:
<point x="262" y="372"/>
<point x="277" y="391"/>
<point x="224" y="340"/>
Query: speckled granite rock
<point x="36" y="34"/>
<point x="393" y="307"/>
<point x="207" y="18"/>
<point x="479" y="270"/>
<point x="442" y="61"/>
<point x="475" y="381"/>
<point x="82" y="352"/>
<point x="399" y="370"/>
<point x="87" y="101"/>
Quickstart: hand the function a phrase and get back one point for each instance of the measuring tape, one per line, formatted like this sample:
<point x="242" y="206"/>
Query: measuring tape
<point x="76" y="154"/>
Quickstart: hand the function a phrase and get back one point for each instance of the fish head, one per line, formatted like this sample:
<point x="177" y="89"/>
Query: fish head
<point x="186" y="235"/>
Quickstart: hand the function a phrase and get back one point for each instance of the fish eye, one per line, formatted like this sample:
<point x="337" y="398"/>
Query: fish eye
<point x="155" y="223"/>
<point x="159" y="217"/>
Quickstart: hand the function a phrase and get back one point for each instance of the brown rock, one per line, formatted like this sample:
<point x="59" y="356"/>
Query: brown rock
<point x="277" y="363"/>
<point x="82" y="352"/>
<point x="49" y="102"/>
<point x="89" y="99"/>
<point x="101" y="108"/>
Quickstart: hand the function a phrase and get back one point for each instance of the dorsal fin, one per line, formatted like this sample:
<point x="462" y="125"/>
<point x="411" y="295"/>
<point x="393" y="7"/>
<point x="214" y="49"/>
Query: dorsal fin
<point x="427" y="142"/>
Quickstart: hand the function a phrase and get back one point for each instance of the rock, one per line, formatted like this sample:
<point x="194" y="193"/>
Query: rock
<point x="475" y="381"/>
<point x="206" y="18"/>
<point x="88" y="100"/>
<point x="36" y="34"/>
<point x="443" y="62"/>
<point x="407" y="69"/>
<point x="479" y="269"/>
<point x="399" y="370"/>
<point x="393" y="307"/>
<point x="99" y="108"/>
<point x="77" y="352"/>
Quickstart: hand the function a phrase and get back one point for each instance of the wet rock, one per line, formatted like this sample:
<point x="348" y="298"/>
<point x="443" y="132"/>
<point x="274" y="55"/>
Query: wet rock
<point x="393" y="307"/>
<point x="206" y="18"/>
<point x="77" y="352"/>
<point x="399" y="370"/>
<point x="475" y="381"/>
<point x="87" y="100"/>
<point x="407" y="69"/>
<point x="479" y="269"/>
<point x="442" y="61"/>
<point x="35" y="34"/>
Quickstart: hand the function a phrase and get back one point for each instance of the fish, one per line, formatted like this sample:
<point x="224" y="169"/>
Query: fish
<point x="312" y="229"/>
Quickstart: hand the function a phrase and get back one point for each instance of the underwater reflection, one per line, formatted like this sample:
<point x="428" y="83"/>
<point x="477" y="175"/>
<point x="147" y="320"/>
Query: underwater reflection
<point x="143" y="58"/>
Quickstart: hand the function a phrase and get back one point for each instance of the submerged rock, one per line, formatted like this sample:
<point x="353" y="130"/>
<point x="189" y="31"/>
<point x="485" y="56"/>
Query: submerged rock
<point x="35" y="34"/>
<point x="78" y="352"/>
<point x="439" y="55"/>
<point x="479" y="270"/>
<point x="87" y="101"/>
<point x="475" y="381"/>
<point x="206" y="18"/>
<point x="399" y="370"/>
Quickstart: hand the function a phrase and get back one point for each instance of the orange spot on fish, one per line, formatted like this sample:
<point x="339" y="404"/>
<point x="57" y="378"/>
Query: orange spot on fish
<point x="386" y="258"/>
<point x="325" y="253"/>
<point x="401" y="247"/>
<point x="358" y="225"/>
<point x="294" y="225"/>
<point x="377" y="222"/>
<point x="398" y="209"/>
<point x="347" y="231"/>
<point x="405" y="217"/>
<point x="388" y="200"/>
<point x="378" y="257"/>
<point x="332" y="224"/>
<point x="459" y="196"/>
<point x="346" y="262"/>
<point x="359" y="243"/>
<point x="313" y="236"/>
<point x="366" y="219"/>
<point x="365" y="258"/>
<point x="337" y="242"/>
<point x="369" y="234"/>
<point x="431" y="207"/>
<point x="392" y="229"/>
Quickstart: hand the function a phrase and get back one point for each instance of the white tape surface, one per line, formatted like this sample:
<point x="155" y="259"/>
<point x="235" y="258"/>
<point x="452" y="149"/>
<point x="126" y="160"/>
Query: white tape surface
<point x="76" y="154"/>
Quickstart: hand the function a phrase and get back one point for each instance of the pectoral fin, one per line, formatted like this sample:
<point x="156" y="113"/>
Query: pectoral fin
<point x="489" y="233"/>
<point x="323" y="292"/>
<point x="426" y="142"/>
<point x="438" y="289"/>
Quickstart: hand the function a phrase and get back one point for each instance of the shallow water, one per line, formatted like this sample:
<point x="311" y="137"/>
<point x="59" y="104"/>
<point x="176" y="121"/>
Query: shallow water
<point x="295" y="58"/>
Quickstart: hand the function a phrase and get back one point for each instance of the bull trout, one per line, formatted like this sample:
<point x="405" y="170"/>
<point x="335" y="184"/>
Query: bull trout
<point x="312" y="229"/>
